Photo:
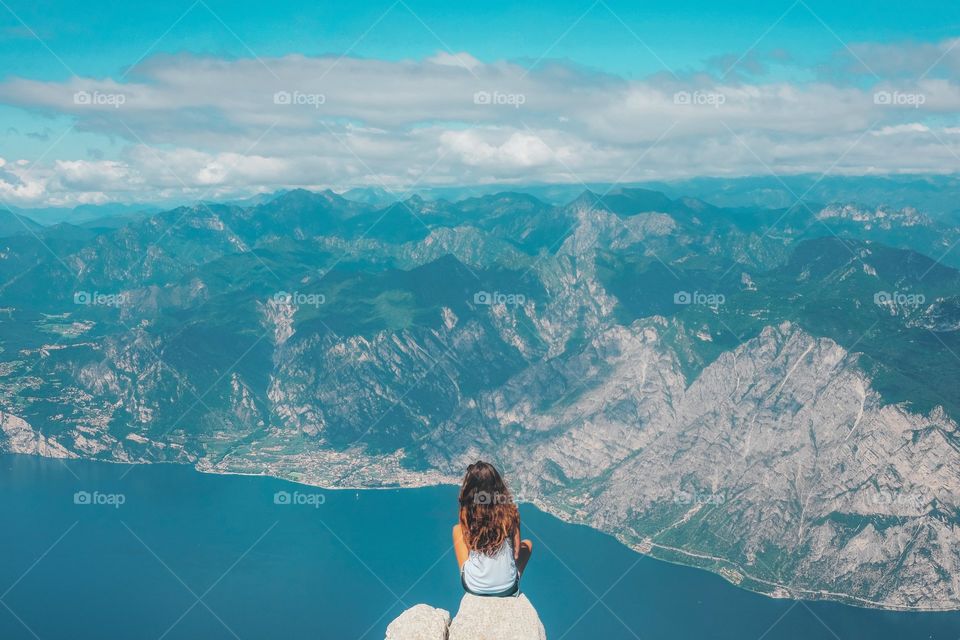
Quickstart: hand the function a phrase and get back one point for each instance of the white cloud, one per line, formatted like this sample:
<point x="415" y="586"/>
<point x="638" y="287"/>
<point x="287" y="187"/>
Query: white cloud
<point x="519" y="149"/>
<point x="913" y="127"/>
<point x="202" y="126"/>
<point x="462" y="59"/>
<point x="909" y="60"/>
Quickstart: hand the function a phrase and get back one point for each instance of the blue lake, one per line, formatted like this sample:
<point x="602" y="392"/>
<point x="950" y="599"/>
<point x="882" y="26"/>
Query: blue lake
<point x="189" y="555"/>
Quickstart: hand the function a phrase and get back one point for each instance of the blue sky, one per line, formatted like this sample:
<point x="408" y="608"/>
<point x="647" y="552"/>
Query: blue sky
<point x="624" y="63"/>
<point x="99" y="38"/>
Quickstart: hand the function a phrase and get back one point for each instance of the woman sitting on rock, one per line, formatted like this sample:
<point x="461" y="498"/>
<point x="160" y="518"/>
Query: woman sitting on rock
<point x="487" y="541"/>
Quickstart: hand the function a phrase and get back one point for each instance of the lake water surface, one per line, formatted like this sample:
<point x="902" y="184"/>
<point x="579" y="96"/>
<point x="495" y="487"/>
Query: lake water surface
<point x="163" y="551"/>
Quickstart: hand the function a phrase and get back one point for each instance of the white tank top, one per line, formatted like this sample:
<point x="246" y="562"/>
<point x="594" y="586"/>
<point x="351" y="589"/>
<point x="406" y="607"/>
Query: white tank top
<point x="490" y="574"/>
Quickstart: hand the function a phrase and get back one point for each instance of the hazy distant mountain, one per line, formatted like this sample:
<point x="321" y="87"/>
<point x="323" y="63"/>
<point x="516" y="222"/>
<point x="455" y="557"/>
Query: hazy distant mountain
<point x="12" y="224"/>
<point x="371" y="195"/>
<point x="85" y="213"/>
<point x="766" y="392"/>
<point x="934" y="194"/>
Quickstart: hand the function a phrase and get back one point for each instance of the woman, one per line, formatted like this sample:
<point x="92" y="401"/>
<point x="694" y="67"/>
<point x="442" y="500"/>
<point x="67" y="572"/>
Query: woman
<point x="487" y="541"/>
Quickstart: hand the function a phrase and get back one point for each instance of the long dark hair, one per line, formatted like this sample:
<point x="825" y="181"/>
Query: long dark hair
<point x="488" y="515"/>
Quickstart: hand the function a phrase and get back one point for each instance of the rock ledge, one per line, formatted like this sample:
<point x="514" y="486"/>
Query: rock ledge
<point x="478" y="619"/>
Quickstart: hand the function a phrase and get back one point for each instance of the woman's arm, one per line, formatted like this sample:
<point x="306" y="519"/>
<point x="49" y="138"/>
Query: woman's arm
<point x="460" y="546"/>
<point x="521" y="550"/>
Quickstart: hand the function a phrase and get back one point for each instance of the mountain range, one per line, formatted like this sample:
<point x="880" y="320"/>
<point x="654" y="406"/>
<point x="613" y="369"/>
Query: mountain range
<point x="768" y="393"/>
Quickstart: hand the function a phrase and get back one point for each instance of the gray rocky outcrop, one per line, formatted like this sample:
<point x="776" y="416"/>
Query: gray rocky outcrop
<point x="477" y="619"/>
<point x="420" y="622"/>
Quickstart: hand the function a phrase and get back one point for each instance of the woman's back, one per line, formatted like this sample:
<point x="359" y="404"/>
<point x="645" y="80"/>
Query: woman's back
<point x="487" y="541"/>
<point x="487" y="575"/>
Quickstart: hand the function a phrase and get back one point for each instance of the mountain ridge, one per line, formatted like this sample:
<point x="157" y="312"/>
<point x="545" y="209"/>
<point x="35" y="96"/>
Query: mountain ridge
<point x="348" y="344"/>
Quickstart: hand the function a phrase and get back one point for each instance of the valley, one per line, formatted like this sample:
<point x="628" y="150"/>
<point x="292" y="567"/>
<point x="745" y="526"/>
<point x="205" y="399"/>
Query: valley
<point x="766" y="393"/>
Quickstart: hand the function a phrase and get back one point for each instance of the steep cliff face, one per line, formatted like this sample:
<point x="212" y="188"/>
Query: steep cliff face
<point x="778" y="465"/>
<point x="571" y="345"/>
<point x="784" y="461"/>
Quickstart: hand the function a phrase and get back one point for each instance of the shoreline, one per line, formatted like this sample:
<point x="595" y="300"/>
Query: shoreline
<point x="730" y="571"/>
<point x="668" y="554"/>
